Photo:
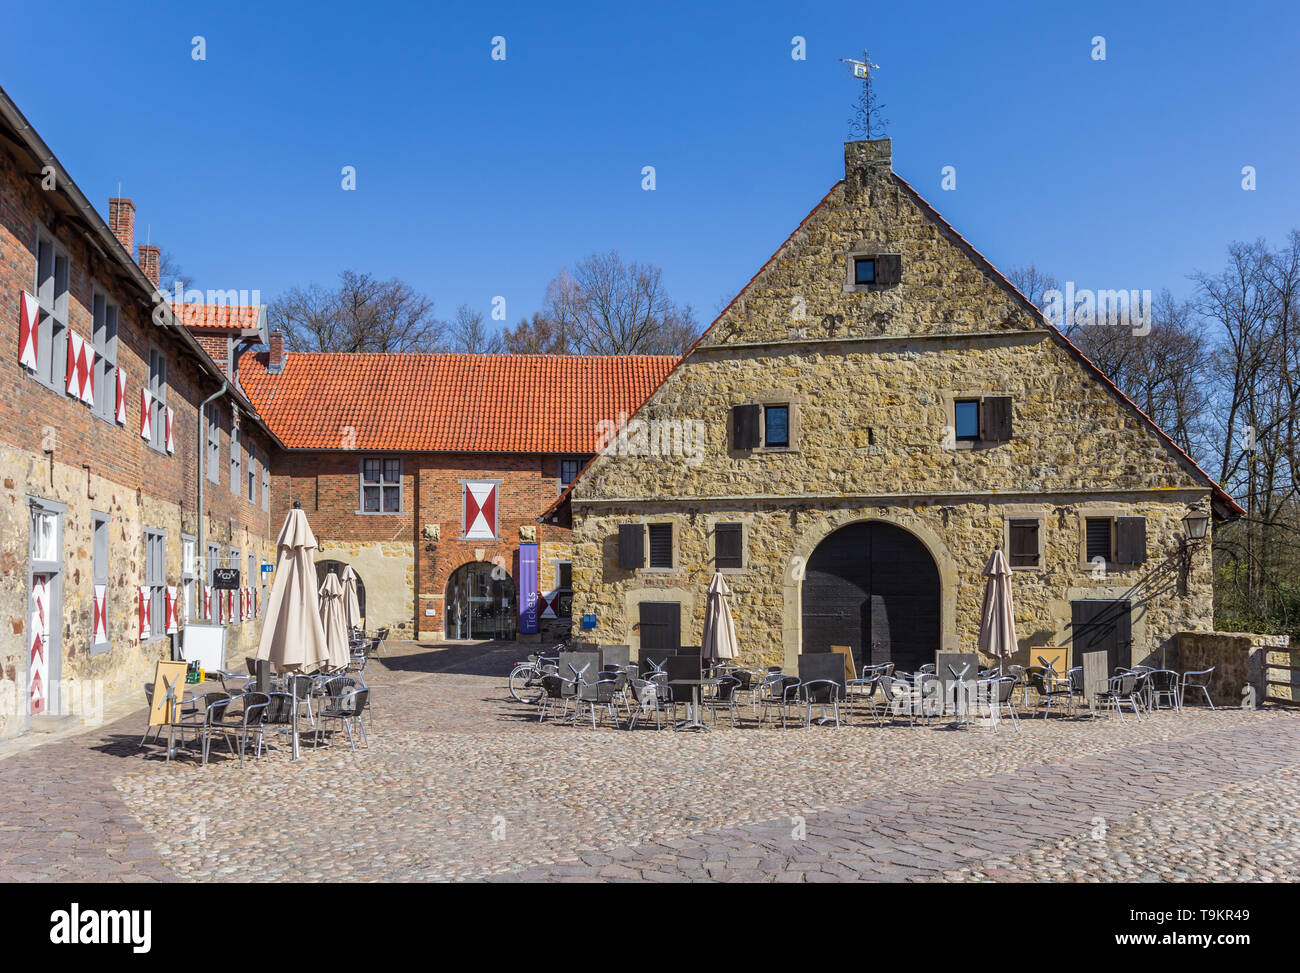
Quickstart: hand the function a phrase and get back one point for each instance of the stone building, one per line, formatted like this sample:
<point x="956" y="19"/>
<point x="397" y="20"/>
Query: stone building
<point x="427" y="472"/>
<point x="880" y="409"/>
<point x="100" y="450"/>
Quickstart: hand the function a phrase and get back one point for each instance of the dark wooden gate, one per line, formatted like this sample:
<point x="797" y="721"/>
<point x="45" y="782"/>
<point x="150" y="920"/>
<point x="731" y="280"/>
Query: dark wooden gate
<point x="875" y="587"/>
<point x="660" y="625"/>
<point x="1097" y="626"/>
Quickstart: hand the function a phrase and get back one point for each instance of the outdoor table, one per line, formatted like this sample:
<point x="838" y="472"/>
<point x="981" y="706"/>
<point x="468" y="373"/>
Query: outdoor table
<point x="696" y="688"/>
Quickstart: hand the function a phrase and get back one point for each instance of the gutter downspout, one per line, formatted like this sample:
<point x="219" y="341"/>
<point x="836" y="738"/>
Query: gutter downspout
<point x="201" y="551"/>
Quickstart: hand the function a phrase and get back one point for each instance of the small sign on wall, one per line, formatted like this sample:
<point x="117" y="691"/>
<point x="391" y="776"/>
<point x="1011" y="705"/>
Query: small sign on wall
<point x="588" y="621"/>
<point x="225" y="579"/>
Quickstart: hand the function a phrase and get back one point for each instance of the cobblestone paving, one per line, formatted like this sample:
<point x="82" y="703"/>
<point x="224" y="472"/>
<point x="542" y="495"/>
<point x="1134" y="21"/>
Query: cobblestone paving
<point x="461" y="783"/>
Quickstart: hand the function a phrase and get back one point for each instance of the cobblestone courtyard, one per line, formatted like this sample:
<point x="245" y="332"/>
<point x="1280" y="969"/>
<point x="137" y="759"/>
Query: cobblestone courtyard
<point x="461" y="783"/>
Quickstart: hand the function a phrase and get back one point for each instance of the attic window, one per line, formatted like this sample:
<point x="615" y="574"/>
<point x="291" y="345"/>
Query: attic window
<point x="864" y="270"/>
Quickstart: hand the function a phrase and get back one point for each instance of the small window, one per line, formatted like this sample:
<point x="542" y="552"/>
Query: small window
<point x="1098" y="538"/>
<point x="236" y="456"/>
<point x="157" y="399"/>
<point x="252" y="476"/>
<point x="381" y="485"/>
<point x="1023" y="542"/>
<point x="864" y="270"/>
<point x="564" y="575"/>
<point x="266" y="486"/>
<point x="661" y="545"/>
<point x="569" y="467"/>
<point x="189" y="570"/>
<point x="214" y="444"/>
<point x="155" y="572"/>
<point x="99" y="576"/>
<point x="53" y="273"/>
<point x="966" y="419"/>
<point x="728" y="549"/>
<point x="103" y="341"/>
<point x="776" y="425"/>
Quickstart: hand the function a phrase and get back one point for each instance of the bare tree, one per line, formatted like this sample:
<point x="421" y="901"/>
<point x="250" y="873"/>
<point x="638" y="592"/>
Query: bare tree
<point x="1033" y="283"/>
<point x="538" y="335"/>
<point x="362" y="314"/>
<point x="169" y="270"/>
<point x="608" y="307"/>
<point x="470" y="334"/>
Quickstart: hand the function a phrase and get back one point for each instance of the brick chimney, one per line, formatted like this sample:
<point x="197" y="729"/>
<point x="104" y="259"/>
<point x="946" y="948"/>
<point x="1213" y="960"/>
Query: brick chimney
<point x="275" y="360"/>
<point x="121" y="220"/>
<point x="150" y="261"/>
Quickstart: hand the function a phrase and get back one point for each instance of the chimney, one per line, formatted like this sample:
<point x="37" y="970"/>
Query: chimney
<point x="867" y="159"/>
<point x="275" y="360"/>
<point x="121" y="220"/>
<point x="150" y="261"/>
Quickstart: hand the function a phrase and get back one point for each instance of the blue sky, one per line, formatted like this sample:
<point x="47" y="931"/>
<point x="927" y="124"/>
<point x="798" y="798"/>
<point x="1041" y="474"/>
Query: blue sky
<point x="478" y="178"/>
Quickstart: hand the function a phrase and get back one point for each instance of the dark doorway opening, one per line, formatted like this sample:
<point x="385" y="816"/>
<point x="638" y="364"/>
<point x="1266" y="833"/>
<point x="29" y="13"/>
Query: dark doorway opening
<point x="1097" y="626"/>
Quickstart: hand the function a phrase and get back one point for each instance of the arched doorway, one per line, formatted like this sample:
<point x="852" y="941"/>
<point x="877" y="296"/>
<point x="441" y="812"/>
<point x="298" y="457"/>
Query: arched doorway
<point x="479" y="606"/>
<point x="873" y="586"/>
<point x="336" y="567"/>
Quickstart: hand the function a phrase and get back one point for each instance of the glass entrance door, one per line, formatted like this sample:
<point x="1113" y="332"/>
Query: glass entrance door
<point x="480" y="606"/>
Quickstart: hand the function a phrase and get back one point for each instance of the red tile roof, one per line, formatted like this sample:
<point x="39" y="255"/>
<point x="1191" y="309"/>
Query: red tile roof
<point x="224" y="316"/>
<point x="449" y="403"/>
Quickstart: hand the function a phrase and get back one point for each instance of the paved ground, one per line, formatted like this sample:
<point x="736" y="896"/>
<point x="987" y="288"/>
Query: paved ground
<point x="459" y="782"/>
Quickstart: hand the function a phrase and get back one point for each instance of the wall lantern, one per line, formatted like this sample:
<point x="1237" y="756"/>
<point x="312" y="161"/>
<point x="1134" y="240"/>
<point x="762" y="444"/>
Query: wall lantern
<point x="1196" y="521"/>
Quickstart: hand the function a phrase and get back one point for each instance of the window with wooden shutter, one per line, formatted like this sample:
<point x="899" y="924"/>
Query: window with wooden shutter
<point x="889" y="269"/>
<point x="728" y="549"/>
<point x="1023" y="543"/>
<point x="631" y="549"/>
<point x="746" y="429"/>
<point x="995" y="419"/>
<point x="1097" y="535"/>
<point x="1131" y="540"/>
<point x="661" y="545"/>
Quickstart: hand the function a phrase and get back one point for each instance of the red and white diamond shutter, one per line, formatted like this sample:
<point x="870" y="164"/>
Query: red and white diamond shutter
<point x="29" y="332"/>
<point x="207" y="603"/>
<point x="101" y="614"/>
<point x="480" y="511"/>
<point x="146" y="401"/>
<point x="81" y="379"/>
<point x="547" y="603"/>
<point x="121" y="396"/>
<point x="172" y="625"/>
<point x="171" y="442"/>
<point x="144" y="613"/>
<point x="37" y="664"/>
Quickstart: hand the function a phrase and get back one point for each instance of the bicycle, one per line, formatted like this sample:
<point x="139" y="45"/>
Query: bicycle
<point x="526" y="677"/>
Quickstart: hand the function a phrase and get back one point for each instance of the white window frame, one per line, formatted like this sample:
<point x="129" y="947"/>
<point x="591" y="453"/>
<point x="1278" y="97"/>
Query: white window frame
<point x="383" y="484"/>
<point x="157" y="399"/>
<point x="55" y="298"/>
<point x="105" y="315"/>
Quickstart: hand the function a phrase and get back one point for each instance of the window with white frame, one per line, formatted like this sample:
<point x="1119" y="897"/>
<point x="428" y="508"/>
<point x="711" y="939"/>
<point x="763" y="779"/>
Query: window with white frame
<point x="189" y="571"/>
<point x="155" y="573"/>
<point x="381" y="485"/>
<point x="53" y="273"/>
<point x="103" y="341"/>
<point x="157" y="399"/>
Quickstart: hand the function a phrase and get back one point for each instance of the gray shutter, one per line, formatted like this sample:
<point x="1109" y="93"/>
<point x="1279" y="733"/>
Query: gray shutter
<point x="1131" y="540"/>
<point x="727" y="545"/>
<point x="746" y="432"/>
<point x="631" y="546"/>
<point x="889" y="269"/>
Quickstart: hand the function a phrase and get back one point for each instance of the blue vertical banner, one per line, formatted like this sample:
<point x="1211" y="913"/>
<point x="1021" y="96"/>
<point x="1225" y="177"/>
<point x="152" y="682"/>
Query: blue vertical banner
<point x="528" y="589"/>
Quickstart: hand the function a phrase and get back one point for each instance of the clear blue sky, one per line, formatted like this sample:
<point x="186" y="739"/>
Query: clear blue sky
<point x="478" y="178"/>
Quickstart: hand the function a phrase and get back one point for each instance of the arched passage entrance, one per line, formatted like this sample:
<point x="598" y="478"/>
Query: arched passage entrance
<point x="336" y="567"/>
<point x="873" y="586"/>
<point x="479" y="606"/>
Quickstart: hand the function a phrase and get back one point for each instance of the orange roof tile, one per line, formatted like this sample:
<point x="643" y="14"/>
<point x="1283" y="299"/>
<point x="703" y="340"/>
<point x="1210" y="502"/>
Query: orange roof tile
<point x="225" y="316"/>
<point x="449" y="403"/>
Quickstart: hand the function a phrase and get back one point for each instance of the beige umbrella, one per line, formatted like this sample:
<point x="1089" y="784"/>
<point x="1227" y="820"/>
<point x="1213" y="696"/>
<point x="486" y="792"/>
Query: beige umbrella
<point x="719" y="629"/>
<point x="293" y="638"/>
<point x="332" y="600"/>
<point x="351" y="606"/>
<point x="997" y="619"/>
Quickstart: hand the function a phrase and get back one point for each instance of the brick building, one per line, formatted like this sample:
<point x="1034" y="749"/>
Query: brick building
<point x="879" y="409"/>
<point x="101" y="441"/>
<point x="427" y="472"/>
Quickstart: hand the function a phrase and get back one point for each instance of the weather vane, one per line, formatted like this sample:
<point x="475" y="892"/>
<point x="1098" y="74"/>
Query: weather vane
<point x="866" y="112"/>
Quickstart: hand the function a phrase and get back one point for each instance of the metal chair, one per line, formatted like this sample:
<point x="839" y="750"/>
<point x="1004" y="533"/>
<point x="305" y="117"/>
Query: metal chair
<point x="1199" y="679"/>
<point x="823" y="693"/>
<point x="598" y="695"/>
<point x="723" y="695"/>
<point x="555" y="689"/>
<point x="348" y="708"/>
<point x="1001" y="699"/>
<point x="1122" y="689"/>
<point x="1163" y="684"/>
<point x="647" y="701"/>
<point x="781" y="692"/>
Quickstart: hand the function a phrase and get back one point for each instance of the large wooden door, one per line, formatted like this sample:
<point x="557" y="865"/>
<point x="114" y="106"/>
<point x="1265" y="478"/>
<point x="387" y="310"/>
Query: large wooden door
<point x="1097" y="626"/>
<point x="875" y="587"/>
<point x="660" y="625"/>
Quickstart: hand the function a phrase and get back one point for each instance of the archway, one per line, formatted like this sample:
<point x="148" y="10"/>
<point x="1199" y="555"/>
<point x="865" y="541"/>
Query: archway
<point x="336" y="567"/>
<point x="874" y="586"/>
<point x="479" y="606"/>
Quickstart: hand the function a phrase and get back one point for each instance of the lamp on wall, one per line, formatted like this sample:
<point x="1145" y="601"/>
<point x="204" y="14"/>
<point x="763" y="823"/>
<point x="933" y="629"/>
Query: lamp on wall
<point x="1197" y="522"/>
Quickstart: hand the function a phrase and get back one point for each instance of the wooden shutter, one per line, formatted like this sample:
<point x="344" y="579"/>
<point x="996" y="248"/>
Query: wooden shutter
<point x="1024" y="543"/>
<point x="1131" y="540"/>
<point x="889" y="269"/>
<point x="727" y="544"/>
<point x="631" y="546"/>
<point x="1097" y="532"/>
<point x="995" y="419"/>
<point x="661" y="545"/>
<point x="745" y="426"/>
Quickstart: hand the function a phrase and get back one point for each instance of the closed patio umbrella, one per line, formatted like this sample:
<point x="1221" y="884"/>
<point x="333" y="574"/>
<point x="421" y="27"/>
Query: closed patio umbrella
<point x="719" y="629"/>
<point x="997" y="619"/>
<point x="293" y="638"/>
<point x="332" y="599"/>
<point x="351" y="606"/>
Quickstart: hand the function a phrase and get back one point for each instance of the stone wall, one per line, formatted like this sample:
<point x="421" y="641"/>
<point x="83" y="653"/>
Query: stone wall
<point x="1239" y="659"/>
